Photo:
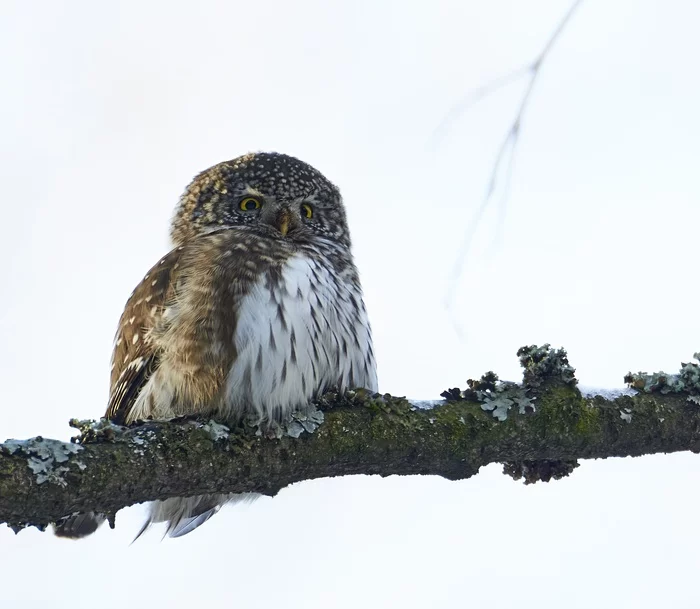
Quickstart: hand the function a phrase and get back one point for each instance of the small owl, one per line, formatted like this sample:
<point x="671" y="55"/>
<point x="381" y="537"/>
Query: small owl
<point x="257" y="309"/>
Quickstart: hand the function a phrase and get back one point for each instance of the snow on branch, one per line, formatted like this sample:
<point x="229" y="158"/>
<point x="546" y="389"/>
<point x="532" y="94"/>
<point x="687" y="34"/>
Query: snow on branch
<point x="537" y="429"/>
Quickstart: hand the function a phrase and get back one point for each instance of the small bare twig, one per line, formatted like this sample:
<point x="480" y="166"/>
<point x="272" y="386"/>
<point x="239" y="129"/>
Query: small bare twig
<point x="506" y="153"/>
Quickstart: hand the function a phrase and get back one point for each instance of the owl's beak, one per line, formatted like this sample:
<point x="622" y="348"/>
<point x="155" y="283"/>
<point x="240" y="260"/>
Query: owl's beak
<point x="283" y="222"/>
<point x="281" y="219"/>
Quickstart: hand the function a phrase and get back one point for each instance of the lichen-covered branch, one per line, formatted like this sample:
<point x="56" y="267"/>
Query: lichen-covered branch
<point x="538" y="429"/>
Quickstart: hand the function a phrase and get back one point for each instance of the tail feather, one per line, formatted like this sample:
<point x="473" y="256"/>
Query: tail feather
<point x="78" y="526"/>
<point x="187" y="525"/>
<point x="185" y="514"/>
<point x="182" y="514"/>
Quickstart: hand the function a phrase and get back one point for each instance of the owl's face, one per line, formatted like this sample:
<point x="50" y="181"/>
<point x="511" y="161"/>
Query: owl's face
<point x="273" y="194"/>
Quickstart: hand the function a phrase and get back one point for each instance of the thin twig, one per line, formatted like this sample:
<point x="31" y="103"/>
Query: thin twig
<point x="473" y="98"/>
<point x="506" y="152"/>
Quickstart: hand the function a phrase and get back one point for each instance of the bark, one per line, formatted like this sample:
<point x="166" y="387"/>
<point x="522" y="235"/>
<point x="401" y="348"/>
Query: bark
<point x="112" y="467"/>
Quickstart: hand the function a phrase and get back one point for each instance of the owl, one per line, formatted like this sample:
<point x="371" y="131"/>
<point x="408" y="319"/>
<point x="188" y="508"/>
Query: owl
<point x="257" y="309"/>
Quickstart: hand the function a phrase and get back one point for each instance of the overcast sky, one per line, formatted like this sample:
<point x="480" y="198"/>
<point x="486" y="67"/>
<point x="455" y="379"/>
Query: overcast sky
<point x="109" y="109"/>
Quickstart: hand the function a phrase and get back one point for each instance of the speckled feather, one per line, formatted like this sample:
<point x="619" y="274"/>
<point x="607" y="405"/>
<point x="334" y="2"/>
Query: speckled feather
<point x="134" y="356"/>
<point x="240" y="317"/>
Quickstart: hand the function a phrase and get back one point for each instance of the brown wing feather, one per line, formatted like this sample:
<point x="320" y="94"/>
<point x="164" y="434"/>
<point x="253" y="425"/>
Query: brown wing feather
<point x="135" y="357"/>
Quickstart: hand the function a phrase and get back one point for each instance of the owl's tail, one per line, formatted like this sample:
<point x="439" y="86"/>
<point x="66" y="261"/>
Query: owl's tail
<point x="78" y="526"/>
<point x="185" y="514"/>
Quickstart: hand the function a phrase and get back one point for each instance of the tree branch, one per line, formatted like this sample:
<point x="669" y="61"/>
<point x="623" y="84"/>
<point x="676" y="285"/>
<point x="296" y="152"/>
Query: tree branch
<point x="542" y="426"/>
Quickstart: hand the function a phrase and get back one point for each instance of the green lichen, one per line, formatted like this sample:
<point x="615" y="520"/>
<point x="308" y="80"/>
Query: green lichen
<point x="544" y="363"/>
<point x="588" y="419"/>
<point x="388" y="404"/>
<point x="562" y="410"/>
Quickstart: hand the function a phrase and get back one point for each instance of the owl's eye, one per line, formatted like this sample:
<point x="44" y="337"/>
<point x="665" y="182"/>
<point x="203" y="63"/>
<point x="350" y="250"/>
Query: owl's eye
<point x="306" y="210"/>
<point x="250" y="204"/>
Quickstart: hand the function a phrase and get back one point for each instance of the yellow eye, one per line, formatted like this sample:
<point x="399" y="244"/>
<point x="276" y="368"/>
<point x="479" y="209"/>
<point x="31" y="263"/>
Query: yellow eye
<point x="250" y="204"/>
<point x="306" y="210"/>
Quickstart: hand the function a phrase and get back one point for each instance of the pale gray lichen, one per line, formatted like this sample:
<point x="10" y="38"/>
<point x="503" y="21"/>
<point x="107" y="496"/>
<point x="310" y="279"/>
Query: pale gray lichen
<point x="102" y="430"/>
<point x="141" y="439"/>
<point x="44" y="455"/>
<point x="686" y="381"/>
<point x="293" y="426"/>
<point x="503" y="397"/>
<point x="216" y="431"/>
<point x="498" y="406"/>
<point x="309" y="420"/>
<point x="495" y="396"/>
<point x="626" y="415"/>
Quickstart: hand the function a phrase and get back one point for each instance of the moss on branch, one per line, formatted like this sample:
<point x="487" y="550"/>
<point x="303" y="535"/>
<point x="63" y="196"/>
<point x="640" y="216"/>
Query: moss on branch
<point x="539" y="429"/>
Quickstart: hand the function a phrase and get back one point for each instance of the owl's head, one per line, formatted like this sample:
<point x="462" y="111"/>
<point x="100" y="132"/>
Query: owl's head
<point x="273" y="194"/>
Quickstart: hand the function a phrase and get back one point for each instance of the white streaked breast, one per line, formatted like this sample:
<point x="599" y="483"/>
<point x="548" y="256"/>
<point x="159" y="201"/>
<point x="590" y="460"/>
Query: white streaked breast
<point x="296" y="337"/>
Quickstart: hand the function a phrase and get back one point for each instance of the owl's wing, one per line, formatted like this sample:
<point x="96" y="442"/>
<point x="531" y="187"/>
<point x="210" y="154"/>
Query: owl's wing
<point x="135" y="356"/>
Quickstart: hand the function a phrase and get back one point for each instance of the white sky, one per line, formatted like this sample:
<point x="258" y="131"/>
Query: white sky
<point x="109" y="109"/>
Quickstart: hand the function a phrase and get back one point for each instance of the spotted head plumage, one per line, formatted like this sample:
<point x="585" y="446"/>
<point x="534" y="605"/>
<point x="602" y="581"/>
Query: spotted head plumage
<point x="276" y="183"/>
<point x="257" y="309"/>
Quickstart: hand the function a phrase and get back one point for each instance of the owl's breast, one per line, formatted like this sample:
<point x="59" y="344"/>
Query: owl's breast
<point x="301" y="329"/>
